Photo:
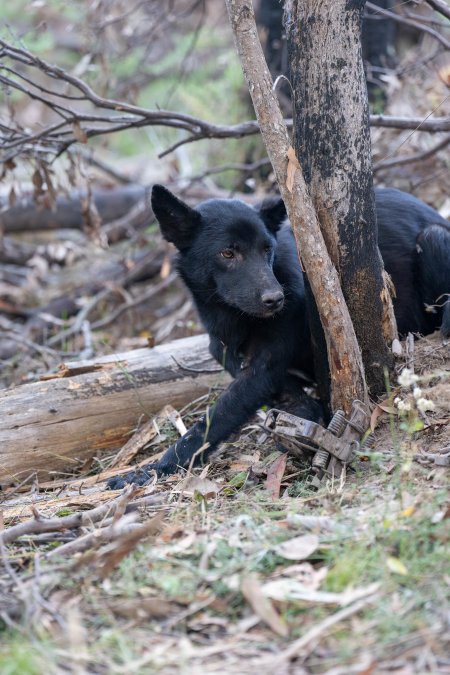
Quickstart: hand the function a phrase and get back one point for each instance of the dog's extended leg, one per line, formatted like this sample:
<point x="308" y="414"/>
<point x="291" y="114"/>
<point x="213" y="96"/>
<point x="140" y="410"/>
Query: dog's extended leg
<point x="255" y="386"/>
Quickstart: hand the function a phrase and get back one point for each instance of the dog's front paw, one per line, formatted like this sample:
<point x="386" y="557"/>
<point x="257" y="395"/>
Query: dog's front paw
<point x="139" y="477"/>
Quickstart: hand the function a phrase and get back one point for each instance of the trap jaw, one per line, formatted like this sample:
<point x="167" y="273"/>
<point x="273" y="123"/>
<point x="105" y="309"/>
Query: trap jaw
<point x="332" y="448"/>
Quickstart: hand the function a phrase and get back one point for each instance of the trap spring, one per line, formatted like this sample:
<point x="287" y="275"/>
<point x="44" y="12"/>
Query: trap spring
<point x="332" y="448"/>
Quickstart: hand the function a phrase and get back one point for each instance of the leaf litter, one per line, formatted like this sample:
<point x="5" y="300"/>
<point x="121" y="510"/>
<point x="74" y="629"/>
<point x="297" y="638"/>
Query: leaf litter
<point x="226" y="575"/>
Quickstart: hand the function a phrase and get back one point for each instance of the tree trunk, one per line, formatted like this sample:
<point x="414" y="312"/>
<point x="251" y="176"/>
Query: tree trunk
<point x="332" y="143"/>
<point x="50" y="427"/>
<point x="343" y="352"/>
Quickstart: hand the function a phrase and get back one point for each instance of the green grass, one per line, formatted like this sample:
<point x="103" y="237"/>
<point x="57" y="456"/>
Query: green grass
<point x="20" y="655"/>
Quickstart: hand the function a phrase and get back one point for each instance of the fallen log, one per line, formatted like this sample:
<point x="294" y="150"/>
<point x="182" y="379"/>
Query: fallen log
<point x="51" y="427"/>
<point x="111" y="204"/>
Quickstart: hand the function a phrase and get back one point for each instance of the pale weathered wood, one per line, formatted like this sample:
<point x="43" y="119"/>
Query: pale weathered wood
<point x="50" y="427"/>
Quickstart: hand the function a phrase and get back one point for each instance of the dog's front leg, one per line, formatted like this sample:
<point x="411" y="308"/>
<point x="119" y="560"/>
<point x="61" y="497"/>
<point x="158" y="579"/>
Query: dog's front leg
<point x="255" y="385"/>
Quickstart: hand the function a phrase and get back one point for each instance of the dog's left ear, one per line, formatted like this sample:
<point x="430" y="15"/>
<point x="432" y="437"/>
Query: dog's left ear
<point x="273" y="212"/>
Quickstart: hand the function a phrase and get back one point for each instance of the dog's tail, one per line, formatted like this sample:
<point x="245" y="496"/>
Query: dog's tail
<point x="433" y="247"/>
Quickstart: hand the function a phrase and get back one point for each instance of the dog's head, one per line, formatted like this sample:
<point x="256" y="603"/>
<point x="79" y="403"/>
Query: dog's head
<point x="227" y="249"/>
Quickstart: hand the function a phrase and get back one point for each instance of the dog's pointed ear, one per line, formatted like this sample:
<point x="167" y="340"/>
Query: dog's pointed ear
<point x="273" y="212"/>
<point x="177" y="220"/>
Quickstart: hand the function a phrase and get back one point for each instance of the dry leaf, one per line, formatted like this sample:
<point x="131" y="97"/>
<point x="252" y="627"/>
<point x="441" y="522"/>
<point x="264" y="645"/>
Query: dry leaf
<point x="203" y="486"/>
<point x="298" y="548"/>
<point x="79" y="133"/>
<point x="379" y="409"/>
<point x="261" y="605"/>
<point x="305" y="574"/>
<point x="143" y="608"/>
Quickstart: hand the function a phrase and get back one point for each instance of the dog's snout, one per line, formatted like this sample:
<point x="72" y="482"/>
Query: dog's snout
<point x="273" y="300"/>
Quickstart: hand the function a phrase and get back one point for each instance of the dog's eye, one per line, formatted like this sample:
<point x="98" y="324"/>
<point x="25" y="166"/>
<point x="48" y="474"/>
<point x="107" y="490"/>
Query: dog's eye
<point x="227" y="253"/>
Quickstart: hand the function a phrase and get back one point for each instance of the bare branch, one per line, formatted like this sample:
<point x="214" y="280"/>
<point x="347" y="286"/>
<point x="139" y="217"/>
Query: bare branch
<point x="440" y="6"/>
<point x="76" y="520"/>
<point x="76" y="104"/>
<point x="416" y="123"/>
<point x="409" y="22"/>
<point x="409" y="159"/>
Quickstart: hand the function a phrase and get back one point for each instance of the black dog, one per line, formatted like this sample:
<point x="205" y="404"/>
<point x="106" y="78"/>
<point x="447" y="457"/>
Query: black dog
<point x="241" y="265"/>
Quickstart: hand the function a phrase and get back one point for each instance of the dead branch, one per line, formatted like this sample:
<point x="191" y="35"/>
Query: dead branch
<point x="141" y="438"/>
<point x="75" y="120"/>
<point x="316" y="632"/>
<point x="101" y="323"/>
<point x="102" y="535"/>
<point x="414" y="123"/>
<point x="67" y="212"/>
<point x="55" y="425"/>
<point x="440" y="6"/>
<point x="110" y="555"/>
<point x="138" y="300"/>
<point x="409" y="159"/>
<point x="39" y="524"/>
<point x="409" y="22"/>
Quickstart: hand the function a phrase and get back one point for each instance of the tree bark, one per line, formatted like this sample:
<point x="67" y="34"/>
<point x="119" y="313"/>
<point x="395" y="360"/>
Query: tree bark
<point x="344" y="357"/>
<point x="50" y="427"/>
<point x="332" y="142"/>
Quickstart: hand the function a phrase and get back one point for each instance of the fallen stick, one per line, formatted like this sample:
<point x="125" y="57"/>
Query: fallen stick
<point x="38" y="524"/>
<point x="296" y="648"/>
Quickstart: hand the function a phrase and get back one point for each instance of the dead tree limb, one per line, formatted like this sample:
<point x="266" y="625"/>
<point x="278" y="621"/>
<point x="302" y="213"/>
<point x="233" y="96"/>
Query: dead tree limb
<point x="50" y="427"/>
<point x="409" y="22"/>
<point x="111" y="204"/>
<point x="409" y="159"/>
<point x="440" y="6"/>
<point x="40" y="524"/>
<point x="79" y="113"/>
<point x="345" y="360"/>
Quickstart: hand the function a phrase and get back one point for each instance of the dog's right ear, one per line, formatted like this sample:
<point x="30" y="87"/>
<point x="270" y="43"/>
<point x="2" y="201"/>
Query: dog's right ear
<point x="177" y="220"/>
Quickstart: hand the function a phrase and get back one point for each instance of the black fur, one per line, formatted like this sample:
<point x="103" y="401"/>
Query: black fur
<point x="414" y="241"/>
<point x="241" y="266"/>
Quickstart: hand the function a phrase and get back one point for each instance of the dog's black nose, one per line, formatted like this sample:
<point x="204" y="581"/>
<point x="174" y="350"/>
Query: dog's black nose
<point x="273" y="300"/>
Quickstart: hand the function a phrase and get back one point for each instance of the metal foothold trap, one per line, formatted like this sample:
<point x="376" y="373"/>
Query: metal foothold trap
<point x="332" y="448"/>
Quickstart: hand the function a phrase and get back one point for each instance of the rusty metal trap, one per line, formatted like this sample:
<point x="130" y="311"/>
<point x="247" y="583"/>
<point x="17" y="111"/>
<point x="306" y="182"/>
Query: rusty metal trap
<point x="331" y="448"/>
